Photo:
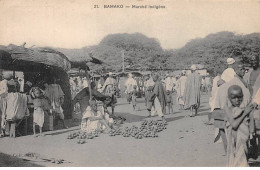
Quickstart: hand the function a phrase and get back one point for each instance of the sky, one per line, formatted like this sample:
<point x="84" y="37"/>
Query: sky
<point x="76" y="23"/>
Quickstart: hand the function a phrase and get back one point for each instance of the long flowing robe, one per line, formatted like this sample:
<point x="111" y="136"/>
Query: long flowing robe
<point x="181" y="83"/>
<point x="160" y="93"/>
<point x="16" y="106"/>
<point x="228" y="74"/>
<point x="237" y="148"/>
<point x="168" y="84"/>
<point x="192" y="91"/>
<point x="214" y="91"/>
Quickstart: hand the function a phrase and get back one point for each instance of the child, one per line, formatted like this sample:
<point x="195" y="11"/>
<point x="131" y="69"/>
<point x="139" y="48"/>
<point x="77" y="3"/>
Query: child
<point x="237" y="128"/>
<point x="93" y="119"/>
<point x="133" y="96"/>
<point x="39" y="104"/>
<point x="149" y="99"/>
<point x="168" y="102"/>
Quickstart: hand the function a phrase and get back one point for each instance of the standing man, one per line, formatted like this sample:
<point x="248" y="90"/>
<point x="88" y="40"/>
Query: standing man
<point x="129" y="84"/>
<point x="109" y="89"/>
<point x="221" y="101"/>
<point x="159" y="97"/>
<point x="192" y="92"/>
<point x="5" y="77"/>
<point x="181" y="82"/>
<point x="214" y="91"/>
<point x="252" y="79"/>
<point x="168" y="83"/>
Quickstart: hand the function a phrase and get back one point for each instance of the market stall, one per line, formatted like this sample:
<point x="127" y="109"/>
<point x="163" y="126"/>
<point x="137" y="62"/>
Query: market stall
<point x="39" y="65"/>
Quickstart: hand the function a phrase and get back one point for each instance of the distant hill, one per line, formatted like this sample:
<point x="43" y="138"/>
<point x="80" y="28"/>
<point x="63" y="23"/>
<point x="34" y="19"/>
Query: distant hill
<point x="142" y="52"/>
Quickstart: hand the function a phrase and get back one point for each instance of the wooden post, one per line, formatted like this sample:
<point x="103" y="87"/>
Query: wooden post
<point x="89" y="82"/>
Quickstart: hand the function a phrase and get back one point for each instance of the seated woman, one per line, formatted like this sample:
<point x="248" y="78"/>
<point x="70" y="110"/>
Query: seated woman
<point x="237" y="128"/>
<point x="93" y="119"/>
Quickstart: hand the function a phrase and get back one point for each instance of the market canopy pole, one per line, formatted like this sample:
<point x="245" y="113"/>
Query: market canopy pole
<point x="87" y="72"/>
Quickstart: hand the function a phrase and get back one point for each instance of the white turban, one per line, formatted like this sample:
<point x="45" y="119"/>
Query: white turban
<point x="230" y="61"/>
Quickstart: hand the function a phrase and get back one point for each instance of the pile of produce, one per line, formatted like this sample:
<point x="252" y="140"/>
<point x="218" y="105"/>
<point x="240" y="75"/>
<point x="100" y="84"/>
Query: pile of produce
<point x="81" y="136"/>
<point x="147" y="129"/>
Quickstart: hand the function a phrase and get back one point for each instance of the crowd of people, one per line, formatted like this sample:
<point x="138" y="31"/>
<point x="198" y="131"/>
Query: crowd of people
<point x="234" y="105"/>
<point x="32" y="100"/>
<point x="234" y="99"/>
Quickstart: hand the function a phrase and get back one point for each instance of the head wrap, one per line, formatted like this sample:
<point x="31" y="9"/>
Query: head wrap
<point x="230" y="61"/>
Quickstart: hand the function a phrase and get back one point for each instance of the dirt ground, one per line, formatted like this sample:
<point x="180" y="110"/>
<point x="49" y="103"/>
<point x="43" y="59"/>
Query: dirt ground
<point x="186" y="142"/>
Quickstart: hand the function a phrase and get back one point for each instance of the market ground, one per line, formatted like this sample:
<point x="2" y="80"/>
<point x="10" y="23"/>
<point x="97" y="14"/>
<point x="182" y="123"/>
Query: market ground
<point x="186" y="142"/>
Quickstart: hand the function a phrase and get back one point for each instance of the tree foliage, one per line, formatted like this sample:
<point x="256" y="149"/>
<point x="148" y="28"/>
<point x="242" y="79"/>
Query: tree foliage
<point x="143" y="53"/>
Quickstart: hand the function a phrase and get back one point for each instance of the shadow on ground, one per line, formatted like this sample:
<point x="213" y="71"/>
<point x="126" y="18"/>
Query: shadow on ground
<point x="174" y="118"/>
<point x="255" y="164"/>
<point x="203" y="114"/>
<point x="11" y="161"/>
<point x="130" y="117"/>
<point x="60" y="132"/>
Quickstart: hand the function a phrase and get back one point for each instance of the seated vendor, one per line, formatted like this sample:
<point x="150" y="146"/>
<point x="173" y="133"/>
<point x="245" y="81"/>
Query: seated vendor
<point x="93" y="120"/>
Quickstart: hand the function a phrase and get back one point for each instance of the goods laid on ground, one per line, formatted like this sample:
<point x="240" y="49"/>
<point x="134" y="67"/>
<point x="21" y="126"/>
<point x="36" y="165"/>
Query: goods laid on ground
<point x="81" y="136"/>
<point x="147" y="129"/>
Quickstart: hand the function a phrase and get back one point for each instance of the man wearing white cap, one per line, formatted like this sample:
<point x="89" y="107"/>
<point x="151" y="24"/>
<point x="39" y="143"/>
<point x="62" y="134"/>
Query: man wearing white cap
<point x="192" y="92"/>
<point x="229" y="73"/>
<point x="130" y="83"/>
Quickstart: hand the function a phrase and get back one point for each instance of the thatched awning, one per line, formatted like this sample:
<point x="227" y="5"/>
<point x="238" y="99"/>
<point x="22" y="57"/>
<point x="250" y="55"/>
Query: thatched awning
<point x="45" y="56"/>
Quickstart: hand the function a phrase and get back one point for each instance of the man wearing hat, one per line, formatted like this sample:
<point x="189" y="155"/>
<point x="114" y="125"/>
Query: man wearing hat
<point x="191" y="95"/>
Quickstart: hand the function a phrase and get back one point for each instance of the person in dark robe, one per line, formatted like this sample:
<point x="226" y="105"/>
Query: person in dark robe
<point x="252" y="79"/>
<point x="159" y="97"/>
<point x="83" y="97"/>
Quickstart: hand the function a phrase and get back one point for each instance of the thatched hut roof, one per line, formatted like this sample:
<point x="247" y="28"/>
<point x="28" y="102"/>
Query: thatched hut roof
<point x="45" y="56"/>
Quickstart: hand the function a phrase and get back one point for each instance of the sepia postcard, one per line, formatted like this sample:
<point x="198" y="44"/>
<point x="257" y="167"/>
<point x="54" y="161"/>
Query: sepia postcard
<point x="129" y="83"/>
